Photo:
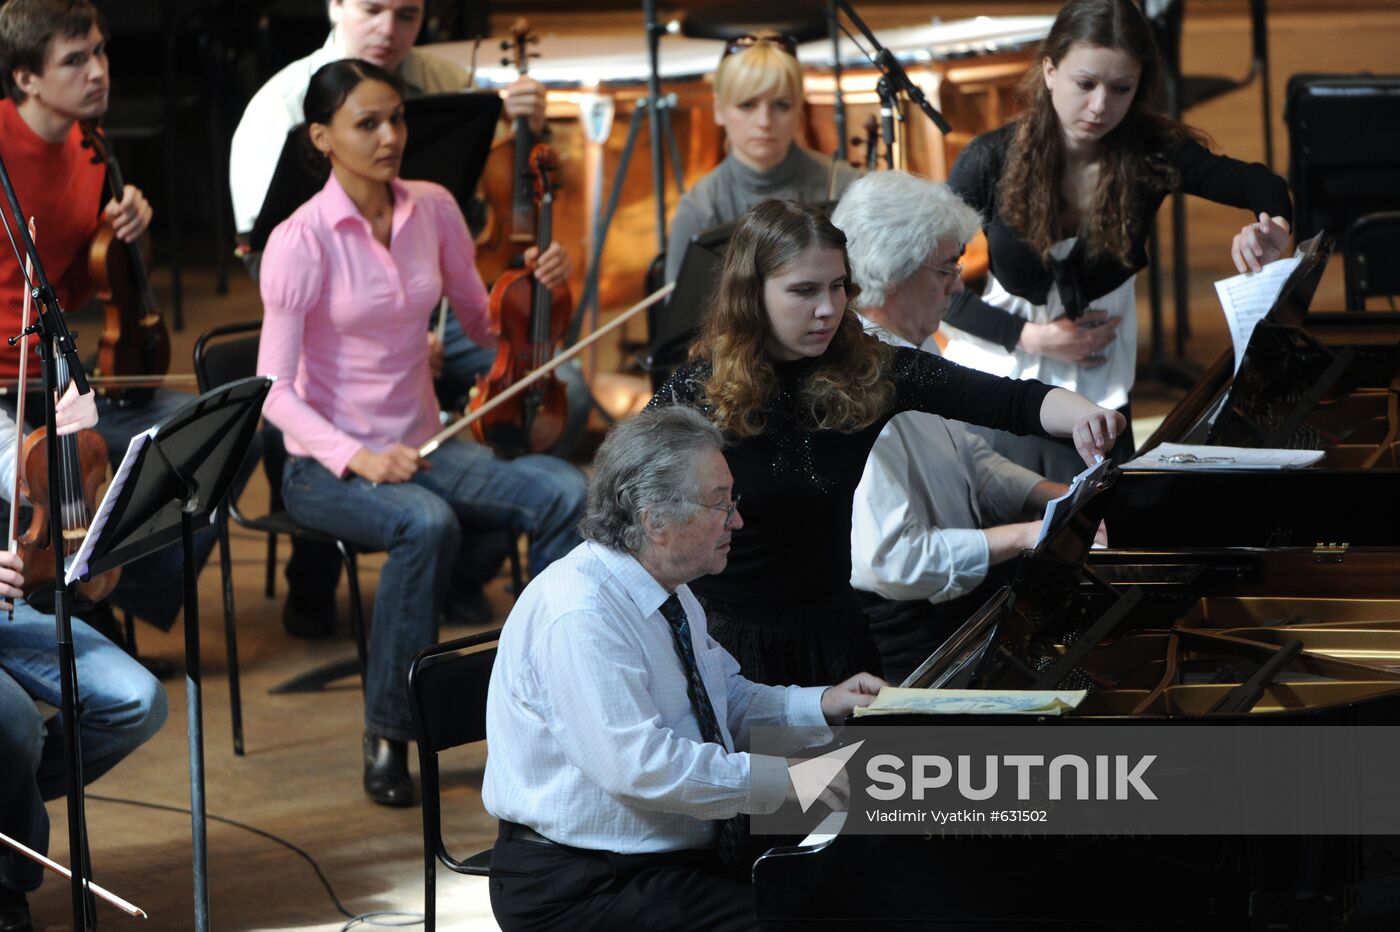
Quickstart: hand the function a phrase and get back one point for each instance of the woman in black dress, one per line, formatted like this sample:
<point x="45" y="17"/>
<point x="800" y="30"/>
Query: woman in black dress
<point x="786" y="371"/>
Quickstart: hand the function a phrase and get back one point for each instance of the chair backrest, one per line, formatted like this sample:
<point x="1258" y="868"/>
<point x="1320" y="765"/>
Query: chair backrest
<point x="1165" y="17"/>
<point x="225" y="354"/>
<point x="447" y="686"/>
<point x="1371" y="251"/>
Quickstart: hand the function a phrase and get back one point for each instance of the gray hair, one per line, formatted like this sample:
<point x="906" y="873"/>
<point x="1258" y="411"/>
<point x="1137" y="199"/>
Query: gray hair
<point x="646" y="469"/>
<point x="893" y="220"/>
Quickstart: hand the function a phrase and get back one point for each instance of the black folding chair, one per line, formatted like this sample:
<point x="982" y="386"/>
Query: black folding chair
<point x="1371" y="251"/>
<point x="447" y="686"/>
<point x="222" y="355"/>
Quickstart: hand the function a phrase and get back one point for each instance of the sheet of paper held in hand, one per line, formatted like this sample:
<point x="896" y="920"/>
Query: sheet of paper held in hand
<point x="1247" y="298"/>
<point x="1193" y="456"/>
<point x="894" y="700"/>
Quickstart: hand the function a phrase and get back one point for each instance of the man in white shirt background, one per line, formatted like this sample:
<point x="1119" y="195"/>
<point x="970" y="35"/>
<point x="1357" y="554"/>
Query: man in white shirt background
<point x="616" y="724"/>
<point x="378" y="31"/>
<point x="936" y="509"/>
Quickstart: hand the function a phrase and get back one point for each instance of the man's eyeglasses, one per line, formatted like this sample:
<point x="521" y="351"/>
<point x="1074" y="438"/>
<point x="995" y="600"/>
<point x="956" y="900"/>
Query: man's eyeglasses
<point x="728" y="509"/>
<point x="781" y="40"/>
<point x="956" y="271"/>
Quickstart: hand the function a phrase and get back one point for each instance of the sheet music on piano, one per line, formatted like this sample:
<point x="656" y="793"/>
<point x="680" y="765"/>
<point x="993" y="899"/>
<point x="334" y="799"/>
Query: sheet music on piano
<point x="1253" y="296"/>
<point x="1247" y="299"/>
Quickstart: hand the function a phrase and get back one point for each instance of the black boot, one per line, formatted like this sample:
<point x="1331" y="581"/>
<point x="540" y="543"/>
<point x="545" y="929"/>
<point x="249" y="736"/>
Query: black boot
<point x="14" y="911"/>
<point x="386" y="771"/>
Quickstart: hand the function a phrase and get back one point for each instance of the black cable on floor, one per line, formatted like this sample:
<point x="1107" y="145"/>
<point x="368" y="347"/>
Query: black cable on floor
<point x="410" y="919"/>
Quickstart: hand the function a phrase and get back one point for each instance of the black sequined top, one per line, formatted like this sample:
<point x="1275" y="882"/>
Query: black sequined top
<point x="798" y="482"/>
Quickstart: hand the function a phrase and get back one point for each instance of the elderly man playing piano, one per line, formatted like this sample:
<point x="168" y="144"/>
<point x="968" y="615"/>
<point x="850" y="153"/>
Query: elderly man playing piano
<point x="616" y="724"/>
<point x="936" y="509"/>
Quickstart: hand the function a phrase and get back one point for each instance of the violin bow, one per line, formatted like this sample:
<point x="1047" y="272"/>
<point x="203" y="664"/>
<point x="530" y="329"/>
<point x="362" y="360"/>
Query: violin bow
<point x="440" y="328"/>
<point x="463" y="423"/>
<point x="60" y="870"/>
<point x="13" y="539"/>
<point x="19" y="401"/>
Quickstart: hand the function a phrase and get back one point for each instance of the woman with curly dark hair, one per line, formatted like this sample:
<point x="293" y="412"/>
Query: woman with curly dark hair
<point x="801" y="393"/>
<point x="1068" y="192"/>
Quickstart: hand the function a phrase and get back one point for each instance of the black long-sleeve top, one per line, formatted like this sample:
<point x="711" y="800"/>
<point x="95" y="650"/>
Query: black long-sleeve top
<point x="797" y="481"/>
<point x="1019" y="268"/>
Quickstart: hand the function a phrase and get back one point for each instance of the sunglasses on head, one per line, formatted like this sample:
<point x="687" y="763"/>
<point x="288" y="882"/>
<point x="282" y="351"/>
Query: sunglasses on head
<point x="749" y="40"/>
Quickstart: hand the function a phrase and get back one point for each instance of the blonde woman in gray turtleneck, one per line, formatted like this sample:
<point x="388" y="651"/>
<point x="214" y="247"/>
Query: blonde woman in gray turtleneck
<point x="758" y="101"/>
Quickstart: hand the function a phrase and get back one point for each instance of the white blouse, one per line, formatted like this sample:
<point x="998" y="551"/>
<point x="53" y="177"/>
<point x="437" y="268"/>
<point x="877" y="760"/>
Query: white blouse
<point x="1107" y="385"/>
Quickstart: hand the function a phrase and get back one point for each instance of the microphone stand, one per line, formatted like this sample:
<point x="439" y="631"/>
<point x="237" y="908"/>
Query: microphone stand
<point x="657" y="109"/>
<point x="899" y="80"/>
<point x="838" y="100"/>
<point x="888" y="112"/>
<point x="56" y="340"/>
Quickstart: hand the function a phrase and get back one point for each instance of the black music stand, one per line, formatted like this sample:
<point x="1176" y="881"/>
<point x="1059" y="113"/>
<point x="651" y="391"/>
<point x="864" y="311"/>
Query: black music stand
<point x="449" y="140"/>
<point x="992" y="642"/>
<point x="172" y="474"/>
<point x="673" y="325"/>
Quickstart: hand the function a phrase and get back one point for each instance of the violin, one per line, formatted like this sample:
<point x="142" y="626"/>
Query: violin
<point x="82" y="471"/>
<point x="505" y="181"/>
<point x="134" y="341"/>
<point x="529" y="321"/>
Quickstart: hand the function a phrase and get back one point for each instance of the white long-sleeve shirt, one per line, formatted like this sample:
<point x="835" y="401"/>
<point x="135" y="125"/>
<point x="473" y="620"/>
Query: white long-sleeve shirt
<point x="277" y="107"/>
<point x="594" y="741"/>
<point x="928" y="488"/>
<point x="9" y="443"/>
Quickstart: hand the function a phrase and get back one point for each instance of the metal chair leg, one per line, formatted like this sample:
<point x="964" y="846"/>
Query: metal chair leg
<point x="235" y="690"/>
<point x="270" y="578"/>
<point x="357" y="612"/>
<point x="317" y="679"/>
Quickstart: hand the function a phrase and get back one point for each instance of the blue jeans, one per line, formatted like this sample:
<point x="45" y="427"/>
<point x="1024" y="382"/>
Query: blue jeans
<point x="120" y="706"/>
<point x="425" y="524"/>
<point x="150" y="587"/>
<point x="463" y="361"/>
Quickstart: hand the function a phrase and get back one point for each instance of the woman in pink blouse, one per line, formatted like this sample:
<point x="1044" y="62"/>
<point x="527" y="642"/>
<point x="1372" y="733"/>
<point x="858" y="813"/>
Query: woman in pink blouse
<point x="347" y="282"/>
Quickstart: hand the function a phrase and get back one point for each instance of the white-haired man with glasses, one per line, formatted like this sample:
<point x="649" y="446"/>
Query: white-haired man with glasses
<point x="936" y="509"/>
<point x="616" y="724"/>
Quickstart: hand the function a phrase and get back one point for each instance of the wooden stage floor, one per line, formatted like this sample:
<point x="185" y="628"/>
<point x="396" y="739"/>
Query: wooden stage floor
<point x="301" y="777"/>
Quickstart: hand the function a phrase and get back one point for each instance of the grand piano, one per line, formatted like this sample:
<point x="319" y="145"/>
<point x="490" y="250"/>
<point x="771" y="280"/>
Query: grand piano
<point x="1226" y="597"/>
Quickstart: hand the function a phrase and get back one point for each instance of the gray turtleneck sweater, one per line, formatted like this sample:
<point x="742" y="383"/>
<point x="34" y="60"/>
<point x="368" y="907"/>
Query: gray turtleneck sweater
<point x="733" y="187"/>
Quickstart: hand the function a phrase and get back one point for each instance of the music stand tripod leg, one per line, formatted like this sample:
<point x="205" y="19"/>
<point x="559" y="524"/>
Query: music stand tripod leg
<point x="194" y="728"/>
<point x="177" y="472"/>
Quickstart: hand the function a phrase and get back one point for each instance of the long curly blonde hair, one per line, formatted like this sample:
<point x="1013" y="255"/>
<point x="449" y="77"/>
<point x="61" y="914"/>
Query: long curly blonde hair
<point x="1134" y="156"/>
<point x="848" y="389"/>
